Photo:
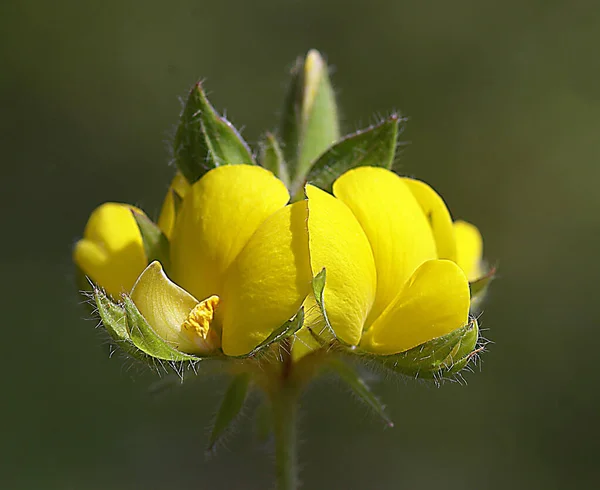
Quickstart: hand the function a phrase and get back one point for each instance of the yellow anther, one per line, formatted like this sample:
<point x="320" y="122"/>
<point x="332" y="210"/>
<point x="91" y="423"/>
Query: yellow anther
<point x="198" y="323"/>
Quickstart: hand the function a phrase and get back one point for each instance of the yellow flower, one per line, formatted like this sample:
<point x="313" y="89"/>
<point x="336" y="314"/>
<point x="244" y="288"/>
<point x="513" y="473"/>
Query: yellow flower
<point x="239" y="264"/>
<point x="389" y="248"/>
<point x="111" y="252"/>
<point x="242" y="261"/>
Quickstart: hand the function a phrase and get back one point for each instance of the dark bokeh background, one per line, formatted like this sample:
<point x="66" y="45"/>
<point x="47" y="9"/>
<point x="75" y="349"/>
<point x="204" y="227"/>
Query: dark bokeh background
<point x="504" y="106"/>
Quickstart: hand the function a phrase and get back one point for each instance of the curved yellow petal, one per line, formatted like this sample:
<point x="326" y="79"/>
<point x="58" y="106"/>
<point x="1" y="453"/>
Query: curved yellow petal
<point x="339" y="244"/>
<point x="168" y="309"/>
<point x="267" y="283"/>
<point x="218" y="216"/>
<point x="434" y="302"/>
<point x="469" y="249"/>
<point x="399" y="233"/>
<point x="179" y="187"/>
<point x="111" y="251"/>
<point x="437" y="213"/>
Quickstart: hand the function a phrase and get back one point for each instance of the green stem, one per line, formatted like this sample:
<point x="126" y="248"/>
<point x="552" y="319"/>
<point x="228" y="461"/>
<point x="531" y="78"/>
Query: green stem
<point x="283" y="403"/>
<point x="284" y="400"/>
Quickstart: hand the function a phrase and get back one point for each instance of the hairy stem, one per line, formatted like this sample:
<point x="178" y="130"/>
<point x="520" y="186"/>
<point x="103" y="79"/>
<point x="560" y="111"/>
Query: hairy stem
<point x="283" y="404"/>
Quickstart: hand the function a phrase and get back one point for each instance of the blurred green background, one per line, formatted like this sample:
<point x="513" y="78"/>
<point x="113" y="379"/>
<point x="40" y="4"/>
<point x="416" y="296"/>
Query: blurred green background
<point x="504" y="107"/>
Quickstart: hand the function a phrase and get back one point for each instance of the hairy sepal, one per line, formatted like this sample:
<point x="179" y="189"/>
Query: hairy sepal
<point x="147" y="340"/>
<point x="271" y="158"/>
<point x="437" y="359"/>
<point x="371" y="147"/>
<point x="282" y="333"/>
<point x="205" y="139"/>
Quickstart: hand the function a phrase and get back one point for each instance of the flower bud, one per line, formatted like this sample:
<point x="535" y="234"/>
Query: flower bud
<point x="310" y="117"/>
<point x="111" y="252"/>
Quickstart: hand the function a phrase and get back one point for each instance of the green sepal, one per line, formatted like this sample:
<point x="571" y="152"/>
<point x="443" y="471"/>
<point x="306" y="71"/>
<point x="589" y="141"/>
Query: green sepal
<point x="83" y="282"/>
<point x="318" y="285"/>
<point x="359" y="387"/>
<point x="230" y="407"/>
<point x="271" y="158"/>
<point x="479" y="286"/>
<point x="327" y="335"/>
<point x="374" y="147"/>
<point x="463" y="351"/>
<point x="434" y="359"/>
<point x="310" y="117"/>
<point x="147" y="340"/>
<point x="286" y="330"/>
<point x="205" y="140"/>
<point x="114" y="320"/>
<point x="156" y="243"/>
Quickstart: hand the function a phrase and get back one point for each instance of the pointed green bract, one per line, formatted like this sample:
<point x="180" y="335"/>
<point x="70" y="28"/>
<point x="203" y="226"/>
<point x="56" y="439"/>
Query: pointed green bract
<point x="358" y="386"/>
<point x="463" y="351"/>
<point x="433" y="359"/>
<point x="114" y="320"/>
<point x="288" y="329"/>
<point x="147" y="340"/>
<point x="310" y="117"/>
<point x="479" y="286"/>
<point x="230" y="407"/>
<point x="318" y="285"/>
<point x="271" y="158"/>
<point x="373" y="147"/>
<point x="156" y="244"/>
<point x="205" y="140"/>
<point x="113" y="316"/>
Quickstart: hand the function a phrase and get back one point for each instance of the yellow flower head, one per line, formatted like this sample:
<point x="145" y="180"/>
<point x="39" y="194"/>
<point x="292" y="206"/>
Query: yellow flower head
<point x="242" y="260"/>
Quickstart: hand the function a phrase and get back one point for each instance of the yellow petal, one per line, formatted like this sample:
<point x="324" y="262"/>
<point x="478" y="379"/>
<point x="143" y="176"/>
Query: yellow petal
<point x="397" y="229"/>
<point x="268" y="281"/>
<point x="469" y="248"/>
<point x="218" y="216"/>
<point x="111" y="251"/>
<point x="434" y="302"/>
<point x="168" y="309"/>
<point x="166" y="220"/>
<point x="439" y="217"/>
<point x="339" y="244"/>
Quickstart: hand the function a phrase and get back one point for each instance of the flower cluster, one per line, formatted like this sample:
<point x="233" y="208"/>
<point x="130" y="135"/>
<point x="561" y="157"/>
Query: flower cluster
<point x="319" y="247"/>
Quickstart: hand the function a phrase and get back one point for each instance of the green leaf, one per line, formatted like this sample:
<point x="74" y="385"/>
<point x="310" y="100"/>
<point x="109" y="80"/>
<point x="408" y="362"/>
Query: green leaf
<point x="156" y="244"/>
<point x="205" y="140"/>
<point x="147" y="340"/>
<point x="374" y="146"/>
<point x="359" y="387"/>
<point x="433" y="359"/>
<point x="232" y="403"/>
<point x="114" y="320"/>
<point x="272" y="159"/>
<point x="479" y="286"/>
<point x="310" y="117"/>
<point x="286" y="330"/>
